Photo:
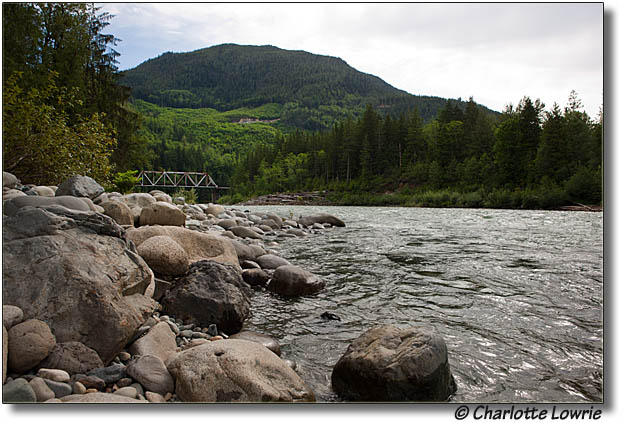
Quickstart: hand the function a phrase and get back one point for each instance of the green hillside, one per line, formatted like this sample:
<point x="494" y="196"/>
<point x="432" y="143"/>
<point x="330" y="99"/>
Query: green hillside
<point x="203" y="139"/>
<point x="314" y="91"/>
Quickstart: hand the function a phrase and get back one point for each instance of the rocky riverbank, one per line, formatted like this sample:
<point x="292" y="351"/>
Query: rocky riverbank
<point x="142" y="298"/>
<point x="299" y="198"/>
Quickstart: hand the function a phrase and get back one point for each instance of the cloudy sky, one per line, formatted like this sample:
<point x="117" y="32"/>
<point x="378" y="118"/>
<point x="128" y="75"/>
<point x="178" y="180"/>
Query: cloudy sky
<point x="496" y="53"/>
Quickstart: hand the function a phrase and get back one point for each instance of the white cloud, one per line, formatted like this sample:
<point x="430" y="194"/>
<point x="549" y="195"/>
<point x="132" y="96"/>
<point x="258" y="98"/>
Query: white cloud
<point x="496" y="52"/>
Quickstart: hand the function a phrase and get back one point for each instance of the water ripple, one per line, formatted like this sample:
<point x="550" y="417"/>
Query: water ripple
<point x="517" y="295"/>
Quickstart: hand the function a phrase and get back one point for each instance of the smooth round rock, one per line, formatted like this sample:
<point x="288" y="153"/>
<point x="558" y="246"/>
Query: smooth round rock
<point x="54" y="374"/>
<point x="41" y="389"/>
<point x="164" y="255"/>
<point x="271" y="262"/>
<point x="11" y="315"/>
<point x="18" y="391"/>
<point x="29" y="343"/>
<point x="290" y="280"/>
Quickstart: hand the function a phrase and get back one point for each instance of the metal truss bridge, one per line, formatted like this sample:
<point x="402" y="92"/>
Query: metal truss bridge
<point x="178" y="179"/>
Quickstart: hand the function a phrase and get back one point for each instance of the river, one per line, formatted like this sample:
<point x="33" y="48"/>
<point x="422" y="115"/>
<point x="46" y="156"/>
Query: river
<point x="517" y="295"/>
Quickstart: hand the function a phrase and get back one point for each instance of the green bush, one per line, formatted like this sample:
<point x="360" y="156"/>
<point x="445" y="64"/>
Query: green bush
<point x="585" y="186"/>
<point x="125" y="182"/>
<point x="45" y="141"/>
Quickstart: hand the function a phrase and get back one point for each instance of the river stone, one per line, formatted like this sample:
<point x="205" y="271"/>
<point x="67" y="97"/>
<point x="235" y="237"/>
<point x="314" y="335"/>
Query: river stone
<point x="215" y="210"/>
<point x="151" y="372"/>
<point x="76" y="272"/>
<point x="99" y="398"/>
<point x="60" y="389"/>
<point x="271" y="261"/>
<point x="18" y="391"/>
<point x="164" y="255"/>
<point x="54" y="374"/>
<point x="154" y="397"/>
<point x="245" y="232"/>
<point x="228" y="224"/>
<point x="235" y="371"/>
<point x="255" y="277"/>
<point x="290" y="280"/>
<point x="91" y="381"/>
<point x="243" y="252"/>
<point x="249" y="265"/>
<point x="119" y="212"/>
<point x="12" y="206"/>
<point x="44" y="191"/>
<point x="9" y="180"/>
<point x="11" y="315"/>
<point x="388" y="363"/>
<point x="30" y="342"/>
<point x="210" y="293"/>
<point x="321" y="218"/>
<point x="270" y="223"/>
<point x="163" y="214"/>
<point x="41" y="389"/>
<point x="109" y="374"/>
<point x="198" y="246"/>
<point x="127" y="392"/>
<point x="78" y="387"/>
<point x="266" y="341"/>
<point x="159" y="341"/>
<point x="163" y="197"/>
<point x="140" y="200"/>
<point x="72" y="357"/>
<point x="81" y="186"/>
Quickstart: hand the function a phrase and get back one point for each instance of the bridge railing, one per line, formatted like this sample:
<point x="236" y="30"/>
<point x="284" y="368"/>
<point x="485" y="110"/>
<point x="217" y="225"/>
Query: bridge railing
<point x="180" y="179"/>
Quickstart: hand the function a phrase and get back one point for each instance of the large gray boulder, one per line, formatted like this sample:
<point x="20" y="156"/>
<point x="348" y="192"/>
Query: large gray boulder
<point x="118" y="211"/>
<point x="321" y="218"/>
<point x="235" y="371"/>
<point x="75" y="271"/>
<point x="388" y="363"/>
<point x="12" y="206"/>
<point x="163" y="214"/>
<point x="81" y="186"/>
<point x="290" y="280"/>
<point x="210" y="293"/>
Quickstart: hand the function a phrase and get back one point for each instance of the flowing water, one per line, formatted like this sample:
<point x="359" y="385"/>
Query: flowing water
<point x="517" y="296"/>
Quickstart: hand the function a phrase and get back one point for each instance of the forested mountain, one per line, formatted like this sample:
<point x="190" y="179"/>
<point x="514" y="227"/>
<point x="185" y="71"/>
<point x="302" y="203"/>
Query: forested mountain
<point x="314" y="90"/>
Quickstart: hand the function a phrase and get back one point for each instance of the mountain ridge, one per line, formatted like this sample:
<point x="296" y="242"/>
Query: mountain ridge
<point x="315" y="90"/>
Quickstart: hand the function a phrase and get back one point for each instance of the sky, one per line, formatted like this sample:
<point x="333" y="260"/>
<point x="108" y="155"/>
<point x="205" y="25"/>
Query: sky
<point x="497" y="53"/>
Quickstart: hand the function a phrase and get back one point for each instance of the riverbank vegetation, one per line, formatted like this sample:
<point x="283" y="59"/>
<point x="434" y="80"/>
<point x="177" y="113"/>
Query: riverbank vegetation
<point x="528" y="158"/>
<point x="64" y="111"/>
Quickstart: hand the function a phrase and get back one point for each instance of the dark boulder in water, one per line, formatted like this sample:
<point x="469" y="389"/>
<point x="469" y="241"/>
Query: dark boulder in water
<point x="388" y="363"/>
